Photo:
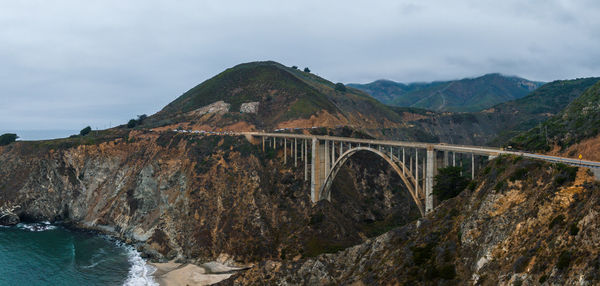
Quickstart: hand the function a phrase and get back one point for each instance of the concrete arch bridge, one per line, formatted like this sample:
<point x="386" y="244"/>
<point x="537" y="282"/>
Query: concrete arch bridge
<point x="416" y="163"/>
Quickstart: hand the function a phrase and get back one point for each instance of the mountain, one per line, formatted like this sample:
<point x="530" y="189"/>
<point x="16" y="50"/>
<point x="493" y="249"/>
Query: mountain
<point x="574" y="130"/>
<point x="495" y="125"/>
<point x="538" y="106"/>
<point x="465" y="95"/>
<point x="268" y="95"/>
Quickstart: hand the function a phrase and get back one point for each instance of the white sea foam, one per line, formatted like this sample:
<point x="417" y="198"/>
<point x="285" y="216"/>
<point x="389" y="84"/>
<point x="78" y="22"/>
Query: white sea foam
<point x="38" y="226"/>
<point x="140" y="273"/>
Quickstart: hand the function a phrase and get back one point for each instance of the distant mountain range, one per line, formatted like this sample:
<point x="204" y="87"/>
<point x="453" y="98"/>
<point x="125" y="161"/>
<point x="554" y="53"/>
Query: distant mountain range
<point x="464" y="95"/>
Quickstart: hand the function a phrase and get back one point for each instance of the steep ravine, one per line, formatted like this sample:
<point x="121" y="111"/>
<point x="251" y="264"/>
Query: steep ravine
<point x="524" y="223"/>
<point x="197" y="199"/>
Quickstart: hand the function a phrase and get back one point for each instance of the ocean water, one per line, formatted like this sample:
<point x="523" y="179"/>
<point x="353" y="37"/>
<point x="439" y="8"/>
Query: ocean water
<point x="45" y="254"/>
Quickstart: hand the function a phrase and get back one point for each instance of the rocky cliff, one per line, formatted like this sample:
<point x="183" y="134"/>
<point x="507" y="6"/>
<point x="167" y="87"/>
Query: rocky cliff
<point x="524" y="223"/>
<point x="199" y="198"/>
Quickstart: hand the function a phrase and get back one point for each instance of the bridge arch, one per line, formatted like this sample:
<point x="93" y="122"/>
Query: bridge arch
<point x="407" y="178"/>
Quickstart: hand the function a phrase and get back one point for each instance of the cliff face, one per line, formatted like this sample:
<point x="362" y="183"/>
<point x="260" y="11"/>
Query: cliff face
<point x="198" y="198"/>
<point x="525" y="223"/>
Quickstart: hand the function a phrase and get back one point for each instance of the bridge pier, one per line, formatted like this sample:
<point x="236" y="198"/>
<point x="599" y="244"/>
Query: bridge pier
<point x="305" y="156"/>
<point x="472" y="166"/>
<point x="429" y="180"/>
<point x="315" y="183"/>
<point x="284" y="151"/>
<point x="417" y="170"/>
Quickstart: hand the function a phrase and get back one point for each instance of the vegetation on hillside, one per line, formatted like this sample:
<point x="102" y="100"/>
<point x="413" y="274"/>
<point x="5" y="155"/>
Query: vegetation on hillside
<point x="465" y="95"/>
<point x="85" y="131"/>
<point x="548" y="100"/>
<point x="7" y="138"/>
<point x="282" y="94"/>
<point x="578" y="121"/>
<point x="449" y="182"/>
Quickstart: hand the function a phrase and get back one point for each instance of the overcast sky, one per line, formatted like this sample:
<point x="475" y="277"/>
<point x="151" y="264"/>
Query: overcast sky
<point x="68" y="64"/>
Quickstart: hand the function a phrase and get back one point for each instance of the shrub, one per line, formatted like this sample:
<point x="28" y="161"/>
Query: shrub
<point x="472" y="185"/>
<point x="559" y="219"/>
<point x="518" y="174"/>
<point x="573" y="229"/>
<point x="8" y="138"/>
<point x="340" y="87"/>
<point x="85" y="131"/>
<point x="565" y="174"/>
<point x="295" y="67"/>
<point x="141" y="118"/>
<point x="422" y="254"/>
<point x="306" y="69"/>
<point x="564" y="259"/>
<point x="499" y="186"/>
<point x="316" y="219"/>
<point x="449" y="183"/>
<point x="132" y="123"/>
<point x="447" y="272"/>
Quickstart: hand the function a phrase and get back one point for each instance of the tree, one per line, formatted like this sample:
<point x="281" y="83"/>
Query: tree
<point x="85" y="131"/>
<point x="449" y="183"/>
<point x="306" y="69"/>
<point x="340" y="87"/>
<point x="141" y="118"/>
<point x="132" y="123"/>
<point x="8" y="138"/>
<point x="295" y="67"/>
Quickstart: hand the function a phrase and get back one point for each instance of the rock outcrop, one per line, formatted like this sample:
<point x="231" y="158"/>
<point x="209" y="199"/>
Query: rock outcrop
<point x="524" y="223"/>
<point x="194" y="198"/>
<point x="7" y="215"/>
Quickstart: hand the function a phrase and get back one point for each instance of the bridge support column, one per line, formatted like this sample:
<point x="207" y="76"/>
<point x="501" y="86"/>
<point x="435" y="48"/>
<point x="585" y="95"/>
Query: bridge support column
<point x="284" y="150"/>
<point x="332" y="155"/>
<point x="263" y="139"/>
<point x="295" y="152"/>
<point x="417" y="171"/>
<point x="305" y="156"/>
<point x="429" y="180"/>
<point x="403" y="163"/>
<point x="315" y="182"/>
<point x="326" y="153"/>
<point x="446" y="159"/>
<point x="453" y="159"/>
<point x="472" y="166"/>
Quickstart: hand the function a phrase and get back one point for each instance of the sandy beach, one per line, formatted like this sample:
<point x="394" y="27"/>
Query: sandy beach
<point x="175" y="274"/>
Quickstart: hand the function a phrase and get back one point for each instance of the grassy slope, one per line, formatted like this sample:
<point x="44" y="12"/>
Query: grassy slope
<point x="284" y="94"/>
<point x="578" y="121"/>
<point x="548" y="100"/>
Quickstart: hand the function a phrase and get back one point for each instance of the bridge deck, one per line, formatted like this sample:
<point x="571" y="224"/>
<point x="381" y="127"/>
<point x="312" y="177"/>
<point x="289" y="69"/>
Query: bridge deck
<point x="477" y="150"/>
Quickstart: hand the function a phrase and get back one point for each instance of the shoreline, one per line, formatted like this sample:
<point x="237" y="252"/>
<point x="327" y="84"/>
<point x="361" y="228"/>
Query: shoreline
<point x="165" y="274"/>
<point x="172" y="273"/>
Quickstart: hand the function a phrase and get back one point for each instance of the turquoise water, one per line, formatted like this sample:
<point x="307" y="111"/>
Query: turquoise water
<point x="44" y="254"/>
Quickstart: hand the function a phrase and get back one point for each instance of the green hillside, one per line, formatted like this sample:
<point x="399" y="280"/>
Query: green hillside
<point x="496" y="125"/>
<point x="548" y="100"/>
<point x="578" y="121"/>
<point x="283" y="94"/>
<point x="465" y="95"/>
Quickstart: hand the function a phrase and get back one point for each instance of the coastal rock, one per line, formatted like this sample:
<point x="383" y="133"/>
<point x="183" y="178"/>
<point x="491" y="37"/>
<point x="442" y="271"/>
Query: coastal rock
<point x="8" y="217"/>
<point x="531" y="231"/>
<point x="198" y="198"/>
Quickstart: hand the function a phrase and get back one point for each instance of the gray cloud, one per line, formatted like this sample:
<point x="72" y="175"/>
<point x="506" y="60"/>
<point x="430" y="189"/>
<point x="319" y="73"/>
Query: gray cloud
<point x="67" y="64"/>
